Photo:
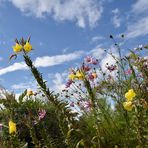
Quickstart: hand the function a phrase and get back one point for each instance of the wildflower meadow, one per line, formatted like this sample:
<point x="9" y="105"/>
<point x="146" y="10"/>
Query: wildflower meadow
<point x="96" y="109"/>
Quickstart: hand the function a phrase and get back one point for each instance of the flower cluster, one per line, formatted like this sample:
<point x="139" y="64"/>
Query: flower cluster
<point x="128" y="105"/>
<point x="76" y="85"/>
<point x="86" y="71"/>
<point x="76" y="75"/>
<point x="21" y="46"/>
<point x="91" y="60"/>
<point x="27" y="47"/>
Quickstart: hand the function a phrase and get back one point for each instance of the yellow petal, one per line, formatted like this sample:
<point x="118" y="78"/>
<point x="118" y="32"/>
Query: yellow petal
<point x="128" y="106"/>
<point x="72" y="76"/>
<point x="80" y="75"/>
<point x="17" y="48"/>
<point x="27" y="47"/>
<point x="130" y="95"/>
<point x="12" y="127"/>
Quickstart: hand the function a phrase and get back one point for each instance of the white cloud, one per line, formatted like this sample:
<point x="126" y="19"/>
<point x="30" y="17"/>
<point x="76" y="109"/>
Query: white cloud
<point x="108" y="58"/>
<point x="55" y="60"/>
<point x="22" y="86"/>
<point x="14" y="67"/>
<point x="116" y="20"/>
<point x="140" y="6"/>
<point x="45" y="61"/>
<point x="96" y="38"/>
<point x="59" y="81"/>
<point x="138" y="13"/>
<point x="104" y="57"/>
<point x="97" y="52"/>
<point x="83" y="12"/>
<point x="139" y="28"/>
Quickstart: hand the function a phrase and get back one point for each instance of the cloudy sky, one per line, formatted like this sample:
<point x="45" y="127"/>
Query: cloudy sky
<point x="63" y="32"/>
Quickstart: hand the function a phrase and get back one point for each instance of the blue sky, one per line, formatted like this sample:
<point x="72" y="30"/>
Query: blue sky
<point x="63" y="32"/>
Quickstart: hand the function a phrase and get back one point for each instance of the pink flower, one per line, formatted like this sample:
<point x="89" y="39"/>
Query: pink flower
<point x="91" y="60"/>
<point x="42" y="114"/>
<point x="128" y="72"/>
<point x="69" y="83"/>
<point x="91" y="77"/>
<point x="72" y="104"/>
<point x="111" y="67"/>
<point x="88" y="59"/>
<point x="95" y="62"/>
<point x="86" y="105"/>
<point x="86" y="68"/>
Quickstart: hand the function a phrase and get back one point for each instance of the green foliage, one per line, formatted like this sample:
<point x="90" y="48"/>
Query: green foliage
<point x="24" y="112"/>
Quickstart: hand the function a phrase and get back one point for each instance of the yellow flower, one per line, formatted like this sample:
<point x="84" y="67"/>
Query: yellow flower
<point x="72" y="76"/>
<point x="12" y="127"/>
<point x="80" y="75"/>
<point x="130" y="95"/>
<point x="27" y="47"/>
<point x="30" y="93"/>
<point x="17" y="48"/>
<point x="128" y="105"/>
